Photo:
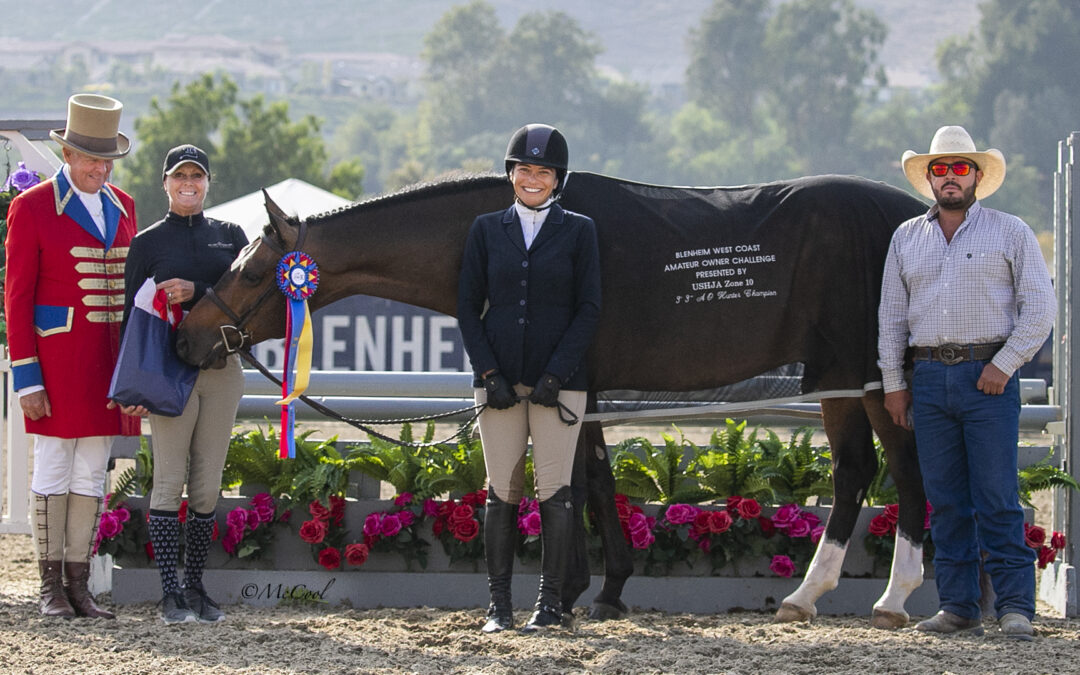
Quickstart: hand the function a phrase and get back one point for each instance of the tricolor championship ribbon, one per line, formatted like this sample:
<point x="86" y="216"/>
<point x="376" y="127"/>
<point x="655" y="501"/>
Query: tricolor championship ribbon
<point x="297" y="277"/>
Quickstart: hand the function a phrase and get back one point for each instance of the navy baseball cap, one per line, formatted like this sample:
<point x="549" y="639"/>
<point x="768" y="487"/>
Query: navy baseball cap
<point x="182" y="154"/>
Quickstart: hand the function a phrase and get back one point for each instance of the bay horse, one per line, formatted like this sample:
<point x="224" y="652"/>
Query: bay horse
<point x="702" y="287"/>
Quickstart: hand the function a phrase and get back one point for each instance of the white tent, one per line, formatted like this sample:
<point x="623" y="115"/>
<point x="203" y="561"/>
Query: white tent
<point x="294" y="196"/>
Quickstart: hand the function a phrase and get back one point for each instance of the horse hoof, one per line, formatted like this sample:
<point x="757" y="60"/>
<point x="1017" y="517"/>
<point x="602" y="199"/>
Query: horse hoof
<point x="789" y="613"/>
<point x="602" y="611"/>
<point x="888" y="620"/>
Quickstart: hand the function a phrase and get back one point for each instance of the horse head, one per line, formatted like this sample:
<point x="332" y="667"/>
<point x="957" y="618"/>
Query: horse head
<point x="239" y="310"/>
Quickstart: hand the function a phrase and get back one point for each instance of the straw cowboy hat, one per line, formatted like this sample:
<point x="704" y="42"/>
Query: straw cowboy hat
<point x="93" y="127"/>
<point x="954" y="141"/>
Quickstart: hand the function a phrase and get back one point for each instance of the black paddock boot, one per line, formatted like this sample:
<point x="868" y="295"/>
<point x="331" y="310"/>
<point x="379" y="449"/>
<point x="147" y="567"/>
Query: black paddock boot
<point x="556" y="531"/>
<point x="500" y="541"/>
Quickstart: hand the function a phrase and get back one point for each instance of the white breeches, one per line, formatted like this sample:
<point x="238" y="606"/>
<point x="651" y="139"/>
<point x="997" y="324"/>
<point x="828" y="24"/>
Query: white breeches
<point x="77" y="465"/>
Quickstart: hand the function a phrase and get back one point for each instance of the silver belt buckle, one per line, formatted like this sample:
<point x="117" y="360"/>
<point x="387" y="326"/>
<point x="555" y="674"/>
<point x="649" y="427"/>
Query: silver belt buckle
<point x="950" y="354"/>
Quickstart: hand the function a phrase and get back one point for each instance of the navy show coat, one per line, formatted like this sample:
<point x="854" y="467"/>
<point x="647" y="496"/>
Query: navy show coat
<point x="543" y="303"/>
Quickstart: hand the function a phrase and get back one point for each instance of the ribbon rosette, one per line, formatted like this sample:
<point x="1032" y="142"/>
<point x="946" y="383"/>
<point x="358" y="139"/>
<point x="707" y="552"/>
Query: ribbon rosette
<point x="297" y="277"/>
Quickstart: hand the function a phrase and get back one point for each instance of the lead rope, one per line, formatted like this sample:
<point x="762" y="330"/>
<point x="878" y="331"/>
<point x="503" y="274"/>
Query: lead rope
<point x="364" y="425"/>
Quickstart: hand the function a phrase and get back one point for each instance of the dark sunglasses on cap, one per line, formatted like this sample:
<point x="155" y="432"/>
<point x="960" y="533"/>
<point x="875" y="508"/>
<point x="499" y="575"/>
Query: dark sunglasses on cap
<point x="939" y="169"/>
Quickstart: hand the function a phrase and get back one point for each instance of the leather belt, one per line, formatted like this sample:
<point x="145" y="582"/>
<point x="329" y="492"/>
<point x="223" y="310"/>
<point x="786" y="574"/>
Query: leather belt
<point x="951" y="353"/>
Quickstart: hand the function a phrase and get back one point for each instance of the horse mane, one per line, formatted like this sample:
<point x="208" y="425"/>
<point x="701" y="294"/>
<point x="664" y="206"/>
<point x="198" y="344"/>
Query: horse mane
<point x="452" y="183"/>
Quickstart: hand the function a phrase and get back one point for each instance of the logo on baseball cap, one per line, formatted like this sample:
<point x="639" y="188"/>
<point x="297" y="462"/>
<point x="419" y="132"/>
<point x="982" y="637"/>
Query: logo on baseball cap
<point x="182" y="154"/>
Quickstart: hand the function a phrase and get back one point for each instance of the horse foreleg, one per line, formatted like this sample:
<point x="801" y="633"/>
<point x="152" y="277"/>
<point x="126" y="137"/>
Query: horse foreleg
<point x="854" y="464"/>
<point x="906" y="573"/>
<point x="618" y="561"/>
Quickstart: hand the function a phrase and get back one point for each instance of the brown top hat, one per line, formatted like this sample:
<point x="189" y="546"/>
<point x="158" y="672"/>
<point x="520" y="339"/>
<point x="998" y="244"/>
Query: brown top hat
<point x="93" y="127"/>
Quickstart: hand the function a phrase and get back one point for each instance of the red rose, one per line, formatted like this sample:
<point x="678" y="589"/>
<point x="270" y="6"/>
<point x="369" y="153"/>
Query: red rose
<point x="749" y="509"/>
<point x="880" y="526"/>
<point x="182" y="514"/>
<point x="768" y="529"/>
<point x="1034" y="536"/>
<point x="1047" y="555"/>
<point x="460" y="514"/>
<point x="476" y="498"/>
<point x="318" y="511"/>
<point x="622" y="499"/>
<point x="356" y="554"/>
<point x="337" y="510"/>
<point x="719" y="521"/>
<point x="330" y="558"/>
<point x="892" y="512"/>
<point x="701" y="524"/>
<point x="624" y="510"/>
<point x="437" y="527"/>
<point x="466" y="530"/>
<point x="733" y="502"/>
<point x="313" y="531"/>
<point x="1057" y="540"/>
<point x="149" y="550"/>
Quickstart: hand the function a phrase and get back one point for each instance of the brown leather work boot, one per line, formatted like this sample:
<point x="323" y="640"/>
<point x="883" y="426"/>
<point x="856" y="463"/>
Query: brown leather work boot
<point x="78" y="576"/>
<point x="54" y="601"/>
<point x="945" y="623"/>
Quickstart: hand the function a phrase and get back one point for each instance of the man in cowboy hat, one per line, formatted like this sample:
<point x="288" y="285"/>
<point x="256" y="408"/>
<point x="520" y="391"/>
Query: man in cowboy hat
<point x="67" y="241"/>
<point x="967" y="294"/>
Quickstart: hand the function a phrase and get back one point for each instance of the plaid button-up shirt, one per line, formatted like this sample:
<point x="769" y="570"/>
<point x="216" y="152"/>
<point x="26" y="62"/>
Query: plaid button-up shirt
<point x="989" y="284"/>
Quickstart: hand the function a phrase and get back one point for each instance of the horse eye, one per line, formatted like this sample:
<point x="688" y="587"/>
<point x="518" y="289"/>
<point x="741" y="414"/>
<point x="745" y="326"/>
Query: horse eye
<point x="251" y="276"/>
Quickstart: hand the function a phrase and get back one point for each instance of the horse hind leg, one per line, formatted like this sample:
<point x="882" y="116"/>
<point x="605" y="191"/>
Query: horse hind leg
<point x="854" y="463"/>
<point x="906" y="573"/>
<point x="618" y="559"/>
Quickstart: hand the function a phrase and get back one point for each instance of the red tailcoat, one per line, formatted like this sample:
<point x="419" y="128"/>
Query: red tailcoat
<point x="64" y="299"/>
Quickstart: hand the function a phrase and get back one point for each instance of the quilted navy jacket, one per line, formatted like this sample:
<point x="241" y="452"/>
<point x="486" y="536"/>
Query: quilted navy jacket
<point x="542" y="304"/>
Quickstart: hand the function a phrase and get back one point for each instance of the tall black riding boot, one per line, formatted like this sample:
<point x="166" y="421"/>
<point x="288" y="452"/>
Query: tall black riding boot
<point x="500" y="540"/>
<point x="556" y="530"/>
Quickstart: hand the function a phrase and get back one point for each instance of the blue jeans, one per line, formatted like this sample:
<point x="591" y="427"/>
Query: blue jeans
<point x="967" y="452"/>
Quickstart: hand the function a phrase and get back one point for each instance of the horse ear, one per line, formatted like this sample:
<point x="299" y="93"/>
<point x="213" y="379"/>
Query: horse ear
<point x="279" y="222"/>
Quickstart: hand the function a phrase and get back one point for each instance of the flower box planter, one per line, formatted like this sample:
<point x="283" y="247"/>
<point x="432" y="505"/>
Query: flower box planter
<point x="289" y="572"/>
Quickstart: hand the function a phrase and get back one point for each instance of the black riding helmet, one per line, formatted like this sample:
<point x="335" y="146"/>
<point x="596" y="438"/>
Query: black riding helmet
<point x="539" y="144"/>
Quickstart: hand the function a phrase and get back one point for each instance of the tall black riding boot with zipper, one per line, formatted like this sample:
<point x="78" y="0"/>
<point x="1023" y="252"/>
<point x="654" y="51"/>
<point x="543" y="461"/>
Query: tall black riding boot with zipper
<point x="556" y="530"/>
<point x="500" y="540"/>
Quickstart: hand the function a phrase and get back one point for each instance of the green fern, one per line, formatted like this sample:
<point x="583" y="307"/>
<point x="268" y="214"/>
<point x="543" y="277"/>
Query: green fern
<point x="453" y="469"/>
<point x="126" y="484"/>
<point x="797" y="470"/>
<point x="730" y="464"/>
<point x="882" y="490"/>
<point x="1042" y="476"/>
<point x="643" y="471"/>
<point x="393" y="463"/>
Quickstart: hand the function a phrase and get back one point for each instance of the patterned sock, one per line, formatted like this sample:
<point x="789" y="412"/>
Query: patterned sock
<point x="199" y="530"/>
<point x="164" y="529"/>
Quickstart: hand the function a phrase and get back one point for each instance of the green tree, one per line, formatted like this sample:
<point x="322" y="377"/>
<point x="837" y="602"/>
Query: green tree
<point x="824" y="65"/>
<point x="251" y="144"/>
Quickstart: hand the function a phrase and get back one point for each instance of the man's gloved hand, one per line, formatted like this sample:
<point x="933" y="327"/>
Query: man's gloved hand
<point x="546" y="391"/>
<point x="500" y="395"/>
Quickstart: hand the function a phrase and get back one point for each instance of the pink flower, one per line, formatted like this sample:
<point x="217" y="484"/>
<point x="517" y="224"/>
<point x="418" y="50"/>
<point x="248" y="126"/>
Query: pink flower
<point x="799" y="528"/>
<point x="767" y="527"/>
<point x="527" y="504"/>
<point x="406" y="517"/>
<point x="749" y="509"/>
<point x="262" y="499"/>
<point x="529" y="524"/>
<point x="232" y="539"/>
<point x="372" y="524"/>
<point x="253" y="519"/>
<point x="181" y="515"/>
<point x="390" y="525"/>
<point x="679" y="514"/>
<point x="929" y="510"/>
<point x="785" y="516"/>
<point x="356" y="554"/>
<point x="403" y="499"/>
<point x="1057" y="541"/>
<point x="123" y="515"/>
<point x="431" y="507"/>
<point x="313" y="531"/>
<point x="330" y="558"/>
<point x="337" y="509"/>
<point x="642" y="538"/>
<point x="810" y="518"/>
<point x="781" y="565"/>
<point x="815" y="534"/>
<point x="237" y="518"/>
<point x="109" y="526"/>
<point x="264" y="513"/>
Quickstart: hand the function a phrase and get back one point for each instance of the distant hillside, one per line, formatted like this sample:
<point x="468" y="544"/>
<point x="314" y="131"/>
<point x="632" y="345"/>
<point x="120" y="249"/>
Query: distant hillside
<point x="643" y="39"/>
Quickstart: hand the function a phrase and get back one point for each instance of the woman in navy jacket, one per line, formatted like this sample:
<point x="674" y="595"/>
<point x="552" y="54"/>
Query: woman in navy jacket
<point x="528" y="304"/>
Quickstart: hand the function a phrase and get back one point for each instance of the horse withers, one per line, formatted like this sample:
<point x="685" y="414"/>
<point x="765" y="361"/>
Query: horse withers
<point x="702" y="287"/>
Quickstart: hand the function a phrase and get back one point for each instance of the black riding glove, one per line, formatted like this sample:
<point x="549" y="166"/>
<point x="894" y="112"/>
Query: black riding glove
<point x="546" y="391"/>
<point x="500" y="395"/>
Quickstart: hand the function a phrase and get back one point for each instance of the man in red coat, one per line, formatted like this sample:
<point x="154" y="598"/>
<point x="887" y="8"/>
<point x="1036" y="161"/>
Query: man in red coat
<point x="67" y="241"/>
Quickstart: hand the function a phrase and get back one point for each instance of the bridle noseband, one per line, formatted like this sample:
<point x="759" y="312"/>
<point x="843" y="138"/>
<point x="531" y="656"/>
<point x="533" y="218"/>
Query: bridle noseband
<point x="233" y="336"/>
